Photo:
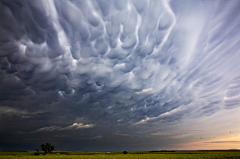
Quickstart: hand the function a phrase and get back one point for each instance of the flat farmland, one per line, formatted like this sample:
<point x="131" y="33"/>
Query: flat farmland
<point x="119" y="155"/>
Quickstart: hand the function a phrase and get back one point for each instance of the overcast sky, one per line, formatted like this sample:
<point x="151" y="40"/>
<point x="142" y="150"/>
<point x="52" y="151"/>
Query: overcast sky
<point x="120" y="75"/>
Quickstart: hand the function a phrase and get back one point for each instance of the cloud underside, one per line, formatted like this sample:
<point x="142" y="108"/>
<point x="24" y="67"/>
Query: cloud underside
<point x="74" y="126"/>
<point x="121" y="62"/>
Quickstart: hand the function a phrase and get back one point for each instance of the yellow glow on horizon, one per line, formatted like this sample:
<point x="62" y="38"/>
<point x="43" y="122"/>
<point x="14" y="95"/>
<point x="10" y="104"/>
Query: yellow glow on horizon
<point x="208" y="144"/>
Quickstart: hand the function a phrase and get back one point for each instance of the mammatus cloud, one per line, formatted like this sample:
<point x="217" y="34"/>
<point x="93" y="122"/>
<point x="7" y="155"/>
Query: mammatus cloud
<point x="74" y="126"/>
<point x="132" y="56"/>
<point x="128" y="62"/>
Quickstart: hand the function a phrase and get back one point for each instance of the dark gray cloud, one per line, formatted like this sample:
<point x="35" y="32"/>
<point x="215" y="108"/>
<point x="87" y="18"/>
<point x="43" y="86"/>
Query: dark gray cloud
<point x="122" y="65"/>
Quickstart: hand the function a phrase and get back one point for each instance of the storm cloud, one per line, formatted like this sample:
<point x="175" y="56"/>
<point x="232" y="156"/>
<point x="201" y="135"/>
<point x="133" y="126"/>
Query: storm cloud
<point x="122" y="65"/>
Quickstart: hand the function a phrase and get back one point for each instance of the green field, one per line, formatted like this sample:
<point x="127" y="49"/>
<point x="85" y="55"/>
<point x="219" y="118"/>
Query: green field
<point x="119" y="155"/>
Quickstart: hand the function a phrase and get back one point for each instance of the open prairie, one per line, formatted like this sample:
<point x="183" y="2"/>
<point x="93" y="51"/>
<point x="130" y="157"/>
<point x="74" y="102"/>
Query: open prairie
<point x="120" y="155"/>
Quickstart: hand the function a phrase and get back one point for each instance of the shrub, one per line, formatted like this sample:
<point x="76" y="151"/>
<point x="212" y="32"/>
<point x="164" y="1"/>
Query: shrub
<point x="125" y="152"/>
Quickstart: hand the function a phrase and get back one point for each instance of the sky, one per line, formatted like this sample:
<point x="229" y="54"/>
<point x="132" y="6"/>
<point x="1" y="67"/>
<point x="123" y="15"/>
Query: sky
<point x="115" y="75"/>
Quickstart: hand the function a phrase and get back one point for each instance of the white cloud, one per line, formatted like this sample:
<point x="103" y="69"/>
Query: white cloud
<point x="16" y="111"/>
<point x="74" y="126"/>
<point x="47" y="129"/>
<point x="144" y="91"/>
<point x="10" y="110"/>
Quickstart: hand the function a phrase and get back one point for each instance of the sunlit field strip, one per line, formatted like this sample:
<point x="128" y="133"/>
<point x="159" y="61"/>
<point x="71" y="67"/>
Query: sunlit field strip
<point x="132" y="155"/>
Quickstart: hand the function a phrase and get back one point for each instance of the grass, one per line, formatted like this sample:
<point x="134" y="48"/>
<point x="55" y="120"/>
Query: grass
<point x="119" y="155"/>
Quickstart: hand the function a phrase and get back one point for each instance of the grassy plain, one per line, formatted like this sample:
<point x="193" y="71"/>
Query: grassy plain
<point x="119" y="155"/>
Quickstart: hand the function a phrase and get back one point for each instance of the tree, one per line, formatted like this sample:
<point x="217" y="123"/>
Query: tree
<point x="125" y="152"/>
<point x="47" y="148"/>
